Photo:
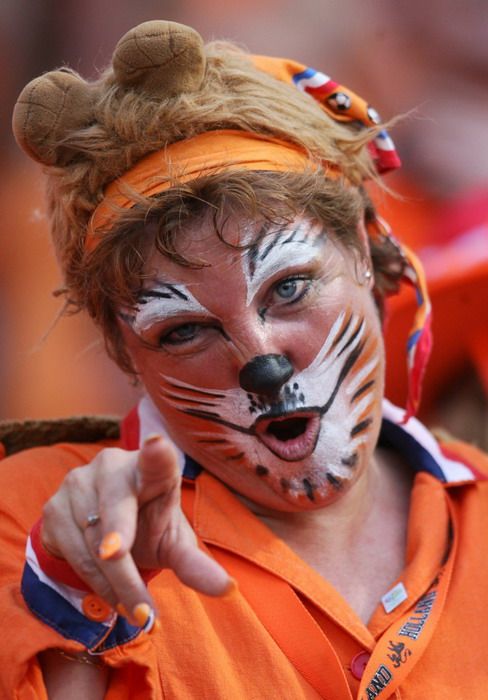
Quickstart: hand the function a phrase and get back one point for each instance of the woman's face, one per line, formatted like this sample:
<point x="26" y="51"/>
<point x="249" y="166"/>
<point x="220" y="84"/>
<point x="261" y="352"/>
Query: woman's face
<point x="267" y="363"/>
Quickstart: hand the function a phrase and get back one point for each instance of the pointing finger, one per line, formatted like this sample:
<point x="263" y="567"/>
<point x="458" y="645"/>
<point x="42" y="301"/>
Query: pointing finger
<point x="158" y="471"/>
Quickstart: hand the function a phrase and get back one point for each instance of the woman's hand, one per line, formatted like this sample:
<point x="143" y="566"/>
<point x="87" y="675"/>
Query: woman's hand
<point x="137" y="495"/>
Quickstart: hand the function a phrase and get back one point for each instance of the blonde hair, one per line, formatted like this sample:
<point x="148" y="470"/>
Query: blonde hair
<point x="128" y="124"/>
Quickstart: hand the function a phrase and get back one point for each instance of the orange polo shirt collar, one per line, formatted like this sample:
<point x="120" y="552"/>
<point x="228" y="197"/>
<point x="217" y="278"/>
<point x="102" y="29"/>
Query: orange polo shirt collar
<point x="222" y="521"/>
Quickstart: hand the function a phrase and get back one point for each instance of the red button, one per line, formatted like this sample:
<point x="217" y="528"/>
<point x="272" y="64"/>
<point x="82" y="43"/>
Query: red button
<point x="95" y="608"/>
<point x="359" y="663"/>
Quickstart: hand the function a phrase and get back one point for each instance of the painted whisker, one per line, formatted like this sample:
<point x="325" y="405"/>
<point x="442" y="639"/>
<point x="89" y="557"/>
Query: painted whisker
<point x="362" y="408"/>
<point x="363" y="375"/>
<point x="346" y="368"/>
<point x="343" y="330"/>
<point x="357" y="333"/>
<point x="215" y="418"/>
<point x="231" y="458"/>
<point x="350" y="461"/>
<point x="207" y="415"/>
<point x="334" y="481"/>
<point x="192" y="401"/>
<point x="362" y="389"/>
<point x="309" y="489"/>
<point x="336" y="333"/>
<point x="361" y="426"/>
<point x="193" y="389"/>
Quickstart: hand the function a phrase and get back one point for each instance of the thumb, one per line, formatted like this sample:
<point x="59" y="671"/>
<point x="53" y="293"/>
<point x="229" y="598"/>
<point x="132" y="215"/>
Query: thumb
<point x="158" y="471"/>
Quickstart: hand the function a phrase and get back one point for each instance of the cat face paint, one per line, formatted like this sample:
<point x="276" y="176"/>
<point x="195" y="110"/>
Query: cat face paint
<point x="287" y="320"/>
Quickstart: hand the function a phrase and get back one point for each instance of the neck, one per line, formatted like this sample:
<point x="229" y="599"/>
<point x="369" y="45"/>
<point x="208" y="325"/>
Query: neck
<point x="343" y="518"/>
<point x="369" y="523"/>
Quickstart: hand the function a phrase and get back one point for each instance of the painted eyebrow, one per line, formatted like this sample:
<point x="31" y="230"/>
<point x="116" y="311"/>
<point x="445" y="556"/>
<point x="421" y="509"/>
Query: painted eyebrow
<point x="163" y="301"/>
<point x="277" y="251"/>
<point x="168" y="291"/>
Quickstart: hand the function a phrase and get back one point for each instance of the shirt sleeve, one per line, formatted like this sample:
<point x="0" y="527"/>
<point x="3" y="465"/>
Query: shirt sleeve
<point x="37" y="612"/>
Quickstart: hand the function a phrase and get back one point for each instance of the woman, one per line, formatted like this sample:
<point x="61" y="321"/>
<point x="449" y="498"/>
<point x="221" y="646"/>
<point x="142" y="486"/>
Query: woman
<point x="238" y="270"/>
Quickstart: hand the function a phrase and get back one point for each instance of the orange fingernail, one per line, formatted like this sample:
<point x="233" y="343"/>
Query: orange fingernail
<point x="141" y="614"/>
<point x="121" y="610"/>
<point x="156" y="626"/>
<point x="153" y="437"/>
<point x="232" y="587"/>
<point x="110" y="545"/>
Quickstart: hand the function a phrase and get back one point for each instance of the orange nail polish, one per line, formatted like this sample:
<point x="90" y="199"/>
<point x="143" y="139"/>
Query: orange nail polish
<point x="156" y="626"/>
<point x="232" y="587"/>
<point x="153" y="437"/>
<point x="141" y="614"/>
<point x="121" y="610"/>
<point x="110" y="545"/>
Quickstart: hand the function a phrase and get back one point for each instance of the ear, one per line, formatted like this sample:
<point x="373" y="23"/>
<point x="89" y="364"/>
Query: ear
<point x="47" y="109"/>
<point x="364" y="263"/>
<point x="363" y="238"/>
<point x="160" y="58"/>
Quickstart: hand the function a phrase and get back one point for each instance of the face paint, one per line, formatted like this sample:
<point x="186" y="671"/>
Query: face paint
<point x="307" y="440"/>
<point x="161" y="301"/>
<point x="272" y="253"/>
<point x="292" y="295"/>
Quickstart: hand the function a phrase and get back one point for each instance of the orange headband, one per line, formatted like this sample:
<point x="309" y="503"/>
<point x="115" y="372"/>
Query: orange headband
<point x="207" y="153"/>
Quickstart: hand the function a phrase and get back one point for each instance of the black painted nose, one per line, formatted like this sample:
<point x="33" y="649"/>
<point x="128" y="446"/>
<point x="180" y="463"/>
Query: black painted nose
<point x="265" y="374"/>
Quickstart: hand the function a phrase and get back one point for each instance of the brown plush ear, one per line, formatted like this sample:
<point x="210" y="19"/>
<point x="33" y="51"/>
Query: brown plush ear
<point x="47" y="109"/>
<point x="160" y="58"/>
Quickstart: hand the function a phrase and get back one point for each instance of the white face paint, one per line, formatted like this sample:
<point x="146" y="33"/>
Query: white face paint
<point x="274" y="252"/>
<point x="161" y="301"/>
<point x="293" y="294"/>
<point x="307" y="441"/>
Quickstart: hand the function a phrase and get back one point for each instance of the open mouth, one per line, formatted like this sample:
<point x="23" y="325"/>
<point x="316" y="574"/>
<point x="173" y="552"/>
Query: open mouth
<point x="291" y="437"/>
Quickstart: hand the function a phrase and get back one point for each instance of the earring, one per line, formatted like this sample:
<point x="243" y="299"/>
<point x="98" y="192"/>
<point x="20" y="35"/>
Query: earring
<point x="366" y="278"/>
<point x="362" y="270"/>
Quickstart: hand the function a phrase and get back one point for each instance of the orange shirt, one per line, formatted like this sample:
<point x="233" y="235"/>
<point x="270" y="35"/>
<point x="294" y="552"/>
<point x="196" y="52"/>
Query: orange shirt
<point x="286" y="633"/>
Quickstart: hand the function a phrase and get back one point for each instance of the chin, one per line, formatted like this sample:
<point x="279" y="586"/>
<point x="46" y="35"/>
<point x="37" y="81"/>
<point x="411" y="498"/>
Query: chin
<point x="302" y="504"/>
<point x="307" y="487"/>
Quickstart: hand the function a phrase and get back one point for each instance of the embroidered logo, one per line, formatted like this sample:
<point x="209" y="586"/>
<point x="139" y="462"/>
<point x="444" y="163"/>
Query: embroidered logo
<point x="380" y="680"/>
<point x="399" y="653"/>
<point x="415" y="623"/>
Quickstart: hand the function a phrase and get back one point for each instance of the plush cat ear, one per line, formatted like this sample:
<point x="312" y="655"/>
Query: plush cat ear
<point x="161" y="59"/>
<point x="156" y="59"/>
<point x="47" y="108"/>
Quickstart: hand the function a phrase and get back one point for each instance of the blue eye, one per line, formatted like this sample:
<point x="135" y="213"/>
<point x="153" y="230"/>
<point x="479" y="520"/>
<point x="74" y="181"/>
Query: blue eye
<point x="287" y="288"/>
<point x="291" y="289"/>
<point x="181" y="334"/>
